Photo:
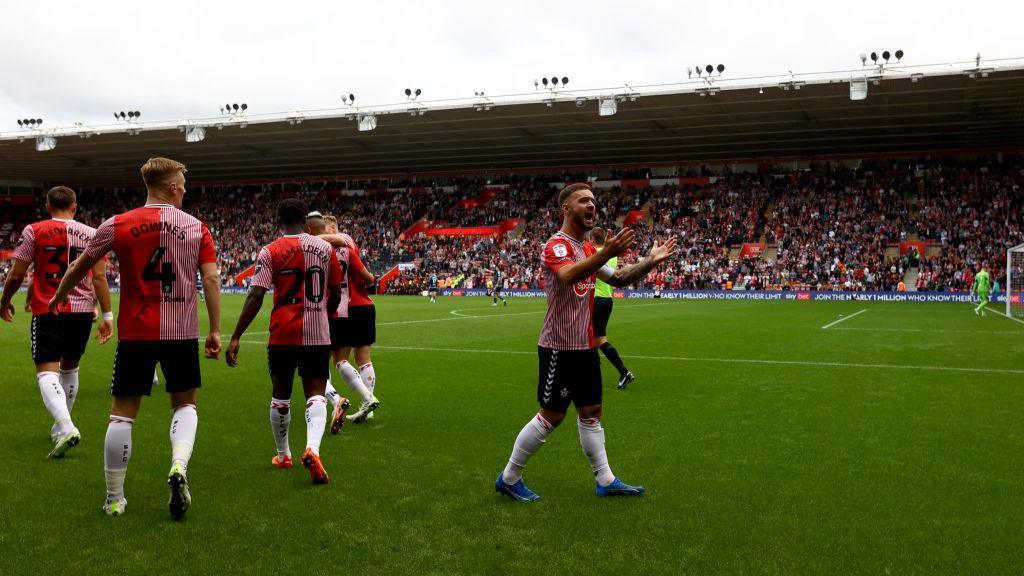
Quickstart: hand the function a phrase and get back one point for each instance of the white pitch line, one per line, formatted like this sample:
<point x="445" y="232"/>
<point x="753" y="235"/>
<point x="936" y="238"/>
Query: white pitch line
<point x="1004" y="315"/>
<point x="930" y="331"/>
<point x="727" y="360"/>
<point x="843" y="319"/>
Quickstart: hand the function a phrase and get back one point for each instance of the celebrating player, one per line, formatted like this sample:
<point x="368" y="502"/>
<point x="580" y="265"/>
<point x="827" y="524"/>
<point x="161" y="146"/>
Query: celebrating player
<point x="570" y="368"/>
<point x="353" y="273"/>
<point x="58" y="340"/>
<point x="159" y="249"/>
<point x="982" y="288"/>
<point x="603" y="312"/>
<point x="306" y="278"/>
<point x="359" y="331"/>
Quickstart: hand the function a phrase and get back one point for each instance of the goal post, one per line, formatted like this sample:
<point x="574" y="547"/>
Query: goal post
<point x="1015" y="282"/>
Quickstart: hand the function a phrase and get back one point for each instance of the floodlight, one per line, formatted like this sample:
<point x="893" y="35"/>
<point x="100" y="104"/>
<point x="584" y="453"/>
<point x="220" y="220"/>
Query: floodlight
<point x="607" y="107"/>
<point x="367" y="122"/>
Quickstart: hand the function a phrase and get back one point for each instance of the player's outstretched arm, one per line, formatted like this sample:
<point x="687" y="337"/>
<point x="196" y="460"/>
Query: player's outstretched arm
<point x="102" y="291"/>
<point x="336" y="240"/>
<point x="253" y="303"/>
<point x="75" y="274"/>
<point x="211" y="289"/>
<point x="14" y="279"/>
<point x="629" y="274"/>
<point x="585" y="268"/>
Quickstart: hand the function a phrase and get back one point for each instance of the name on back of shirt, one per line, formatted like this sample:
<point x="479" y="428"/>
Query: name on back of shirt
<point x="151" y="227"/>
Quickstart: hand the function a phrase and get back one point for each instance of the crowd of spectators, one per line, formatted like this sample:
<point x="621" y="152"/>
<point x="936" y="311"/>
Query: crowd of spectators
<point x="828" y="227"/>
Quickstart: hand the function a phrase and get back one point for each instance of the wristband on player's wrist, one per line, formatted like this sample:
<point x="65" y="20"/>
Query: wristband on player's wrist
<point x="108" y="316"/>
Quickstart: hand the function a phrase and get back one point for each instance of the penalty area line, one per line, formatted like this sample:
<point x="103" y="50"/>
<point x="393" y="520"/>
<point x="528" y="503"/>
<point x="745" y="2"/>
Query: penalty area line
<point x="726" y="360"/>
<point x="843" y="319"/>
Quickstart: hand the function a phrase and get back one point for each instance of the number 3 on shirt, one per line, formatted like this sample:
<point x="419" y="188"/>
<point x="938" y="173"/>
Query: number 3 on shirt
<point x="165" y="276"/>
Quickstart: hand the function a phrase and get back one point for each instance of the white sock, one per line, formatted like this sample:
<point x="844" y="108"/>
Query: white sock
<point x="69" y="383"/>
<point x="316" y="421"/>
<point x="280" y="420"/>
<point x="183" y="434"/>
<point x="592" y="442"/>
<point x="53" y="398"/>
<point x="354" y="381"/>
<point x="117" y="449"/>
<point x="368" y="376"/>
<point x="530" y="439"/>
<point x="331" y="394"/>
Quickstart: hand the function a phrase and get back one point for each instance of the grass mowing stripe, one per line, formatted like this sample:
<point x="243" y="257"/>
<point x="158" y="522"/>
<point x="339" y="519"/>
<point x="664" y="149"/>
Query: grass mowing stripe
<point x="831" y="324"/>
<point x="725" y="360"/>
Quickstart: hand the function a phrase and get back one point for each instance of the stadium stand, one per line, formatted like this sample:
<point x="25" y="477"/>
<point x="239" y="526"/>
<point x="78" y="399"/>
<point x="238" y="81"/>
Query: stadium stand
<point x="844" y="226"/>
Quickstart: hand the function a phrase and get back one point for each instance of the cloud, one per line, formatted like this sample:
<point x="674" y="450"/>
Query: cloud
<point x="74" y="61"/>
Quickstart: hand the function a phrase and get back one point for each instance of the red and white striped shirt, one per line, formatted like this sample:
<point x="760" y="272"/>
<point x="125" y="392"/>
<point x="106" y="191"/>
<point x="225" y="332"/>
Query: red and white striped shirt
<point x="357" y="295"/>
<point x="353" y="288"/>
<point x="51" y="246"/>
<point x="159" y="249"/>
<point x="568" y="324"/>
<point x="298" y="268"/>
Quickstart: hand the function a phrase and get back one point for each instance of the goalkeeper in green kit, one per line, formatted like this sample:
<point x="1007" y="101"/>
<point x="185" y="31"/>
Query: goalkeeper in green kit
<point x="982" y="287"/>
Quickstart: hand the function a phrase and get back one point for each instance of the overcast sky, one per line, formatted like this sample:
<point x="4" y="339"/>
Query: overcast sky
<point x="69" y="61"/>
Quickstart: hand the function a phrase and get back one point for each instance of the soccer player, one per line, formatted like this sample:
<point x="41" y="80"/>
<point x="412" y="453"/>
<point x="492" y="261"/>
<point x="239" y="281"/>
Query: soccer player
<point x="306" y="278"/>
<point x="353" y="272"/>
<point x="358" y="331"/>
<point x="496" y="290"/>
<point x="58" y="340"/>
<point x="603" y="312"/>
<point x="159" y="248"/>
<point x="570" y="368"/>
<point x="982" y="288"/>
<point x="432" y="289"/>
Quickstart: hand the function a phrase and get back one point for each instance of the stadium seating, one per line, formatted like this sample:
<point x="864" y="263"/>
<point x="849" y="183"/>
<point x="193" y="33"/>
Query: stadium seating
<point x="823" y="227"/>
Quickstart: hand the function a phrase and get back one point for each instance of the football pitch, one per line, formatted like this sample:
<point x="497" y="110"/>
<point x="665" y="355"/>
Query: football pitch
<point x="890" y="442"/>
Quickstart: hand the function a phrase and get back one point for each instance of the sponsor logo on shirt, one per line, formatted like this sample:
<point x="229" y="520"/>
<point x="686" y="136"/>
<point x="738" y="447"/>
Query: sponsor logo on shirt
<point x="583" y="288"/>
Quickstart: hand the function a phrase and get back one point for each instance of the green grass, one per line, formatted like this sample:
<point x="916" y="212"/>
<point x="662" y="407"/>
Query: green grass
<point x="884" y="461"/>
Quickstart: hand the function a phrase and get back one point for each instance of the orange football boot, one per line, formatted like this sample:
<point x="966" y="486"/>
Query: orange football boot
<point x="316" y="469"/>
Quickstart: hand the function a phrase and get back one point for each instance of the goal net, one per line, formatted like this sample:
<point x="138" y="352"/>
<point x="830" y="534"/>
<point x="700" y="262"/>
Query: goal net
<point x="1015" y="282"/>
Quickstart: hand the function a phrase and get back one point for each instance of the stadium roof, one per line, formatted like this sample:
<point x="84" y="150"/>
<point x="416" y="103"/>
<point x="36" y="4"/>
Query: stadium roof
<point x="938" y="109"/>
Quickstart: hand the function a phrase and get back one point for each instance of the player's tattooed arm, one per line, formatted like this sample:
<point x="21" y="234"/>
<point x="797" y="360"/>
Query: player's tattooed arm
<point x="615" y="246"/>
<point x="253" y="303"/>
<point x="629" y="274"/>
<point x="14" y="279"/>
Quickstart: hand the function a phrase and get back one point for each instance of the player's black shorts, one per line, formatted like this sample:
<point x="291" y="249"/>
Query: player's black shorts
<point x="602" y="312"/>
<point x="311" y="361"/>
<point x="60" y="336"/>
<point x="136" y="360"/>
<point x="497" y="291"/>
<point x="359" y="329"/>
<point x="568" y="376"/>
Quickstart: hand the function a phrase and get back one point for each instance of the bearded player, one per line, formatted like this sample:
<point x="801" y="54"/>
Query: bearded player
<point x="570" y="368"/>
<point x="159" y="249"/>
<point x="305" y="277"/>
<point x="58" y="340"/>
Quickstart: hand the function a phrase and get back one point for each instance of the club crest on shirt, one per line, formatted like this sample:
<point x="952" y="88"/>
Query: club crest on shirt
<point x="560" y="250"/>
